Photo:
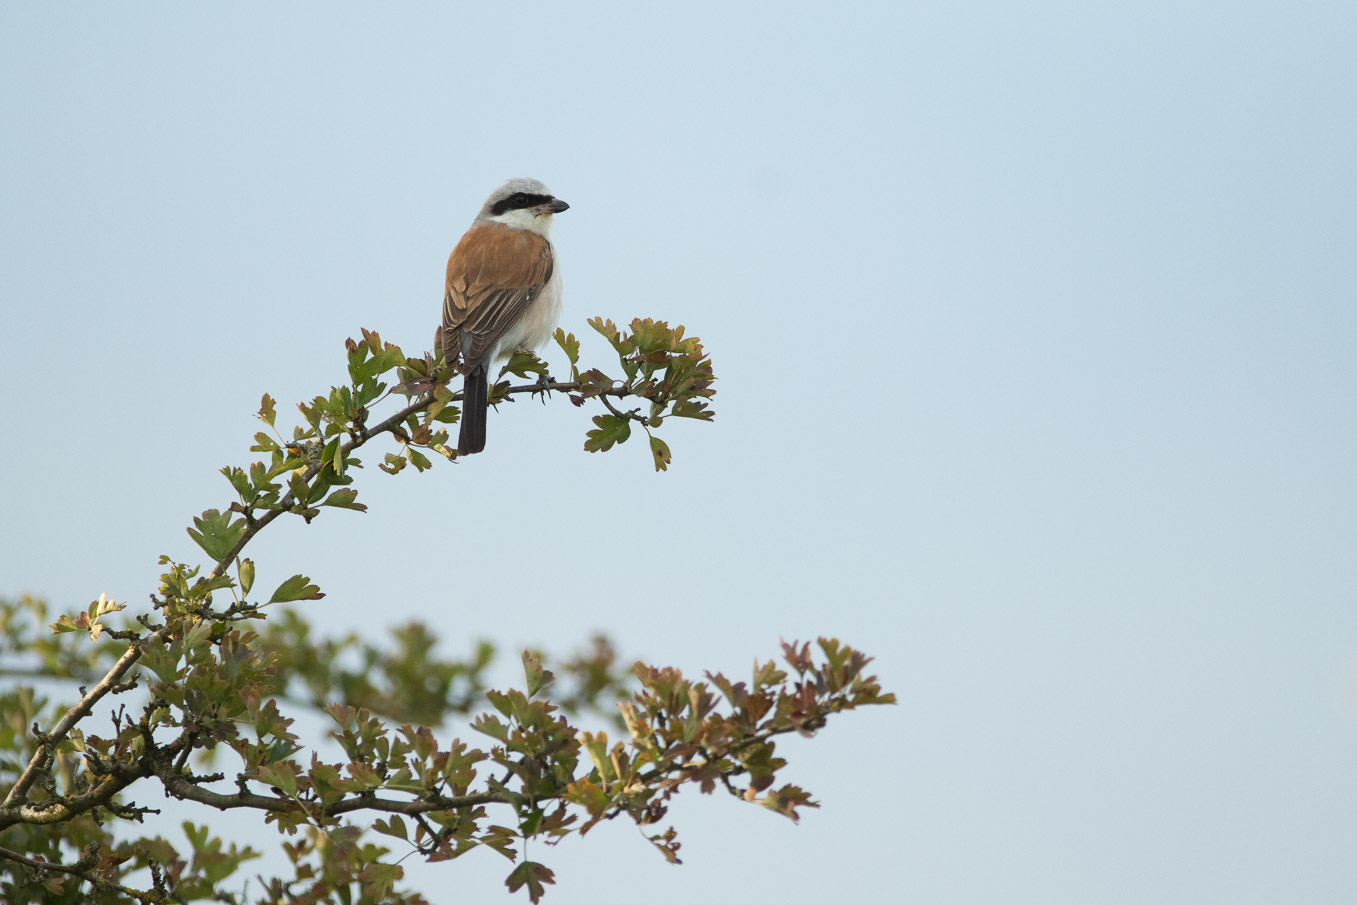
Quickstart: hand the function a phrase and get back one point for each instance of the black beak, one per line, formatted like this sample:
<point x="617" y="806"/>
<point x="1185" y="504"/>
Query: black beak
<point x="556" y="205"/>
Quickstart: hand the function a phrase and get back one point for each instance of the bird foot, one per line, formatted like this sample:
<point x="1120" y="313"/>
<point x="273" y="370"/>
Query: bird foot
<point x="543" y="386"/>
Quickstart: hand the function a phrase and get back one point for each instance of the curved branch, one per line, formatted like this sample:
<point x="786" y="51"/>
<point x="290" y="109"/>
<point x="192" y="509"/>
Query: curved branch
<point x="385" y="426"/>
<point x="18" y="793"/>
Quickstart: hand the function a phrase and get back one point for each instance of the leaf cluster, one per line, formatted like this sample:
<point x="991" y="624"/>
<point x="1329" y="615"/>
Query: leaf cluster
<point x="659" y="364"/>
<point x="213" y="687"/>
<point x="211" y="674"/>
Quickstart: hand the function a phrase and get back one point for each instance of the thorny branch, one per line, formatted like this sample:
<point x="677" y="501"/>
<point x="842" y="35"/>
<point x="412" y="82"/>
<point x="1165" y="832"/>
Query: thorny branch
<point x="388" y="426"/>
<point x="42" y="757"/>
<point x="208" y="679"/>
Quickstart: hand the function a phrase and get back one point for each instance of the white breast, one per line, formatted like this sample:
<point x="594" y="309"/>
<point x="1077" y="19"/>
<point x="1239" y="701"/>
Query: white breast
<point x="538" y="323"/>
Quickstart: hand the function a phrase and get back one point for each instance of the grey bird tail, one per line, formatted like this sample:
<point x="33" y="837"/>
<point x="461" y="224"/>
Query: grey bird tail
<point x="475" y="404"/>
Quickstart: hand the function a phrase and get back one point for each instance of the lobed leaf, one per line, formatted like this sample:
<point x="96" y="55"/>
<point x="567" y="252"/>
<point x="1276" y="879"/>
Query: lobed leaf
<point x="298" y="587"/>
<point x="532" y="875"/>
<point x="217" y="533"/>
<point x="610" y="431"/>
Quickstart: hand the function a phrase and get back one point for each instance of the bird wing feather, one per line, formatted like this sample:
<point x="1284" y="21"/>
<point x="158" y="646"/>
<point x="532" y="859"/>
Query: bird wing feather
<point x="494" y="274"/>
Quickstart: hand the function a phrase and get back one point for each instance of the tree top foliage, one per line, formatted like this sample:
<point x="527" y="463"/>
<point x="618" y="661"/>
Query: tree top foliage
<point x="192" y="697"/>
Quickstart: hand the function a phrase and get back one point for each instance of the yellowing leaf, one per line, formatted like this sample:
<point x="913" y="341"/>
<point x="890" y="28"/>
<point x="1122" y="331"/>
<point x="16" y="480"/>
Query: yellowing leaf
<point x="660" y="450"/>
<point x="266" y="412"/>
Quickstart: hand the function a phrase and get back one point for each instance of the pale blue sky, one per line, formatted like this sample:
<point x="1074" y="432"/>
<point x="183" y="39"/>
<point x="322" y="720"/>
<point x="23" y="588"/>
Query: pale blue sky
<point x="1035" y="331"/>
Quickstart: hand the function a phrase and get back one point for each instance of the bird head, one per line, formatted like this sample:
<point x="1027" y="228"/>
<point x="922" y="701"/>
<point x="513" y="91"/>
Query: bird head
<point x="523" y="204"/>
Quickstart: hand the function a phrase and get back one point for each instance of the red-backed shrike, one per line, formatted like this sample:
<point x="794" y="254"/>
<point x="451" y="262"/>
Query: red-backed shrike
<point x="503" y="294"/>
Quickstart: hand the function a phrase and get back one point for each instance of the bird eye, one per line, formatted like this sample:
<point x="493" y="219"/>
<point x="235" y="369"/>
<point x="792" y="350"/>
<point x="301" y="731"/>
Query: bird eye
<point x="520" y="200"/>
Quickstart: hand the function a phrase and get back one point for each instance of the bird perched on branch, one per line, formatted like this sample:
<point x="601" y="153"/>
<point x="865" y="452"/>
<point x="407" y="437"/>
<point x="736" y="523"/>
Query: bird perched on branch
<point x="503" y="294"/>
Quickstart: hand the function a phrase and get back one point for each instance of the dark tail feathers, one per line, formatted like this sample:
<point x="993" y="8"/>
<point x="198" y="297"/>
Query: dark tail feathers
<point x="475" y="390"/>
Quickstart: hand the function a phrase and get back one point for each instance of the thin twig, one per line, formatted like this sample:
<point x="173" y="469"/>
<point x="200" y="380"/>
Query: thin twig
<point x="285" y="503"/>
<point x="149" y="898"/>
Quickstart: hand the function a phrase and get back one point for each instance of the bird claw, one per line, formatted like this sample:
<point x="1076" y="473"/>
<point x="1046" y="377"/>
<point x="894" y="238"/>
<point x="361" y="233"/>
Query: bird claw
<point x="543" y="386"/>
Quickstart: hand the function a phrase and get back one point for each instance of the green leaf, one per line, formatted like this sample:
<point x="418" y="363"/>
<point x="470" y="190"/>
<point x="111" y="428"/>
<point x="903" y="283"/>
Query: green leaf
<point x="594" y="382"/>
<point x="364" y="777"/>
<point x="660" y="450"/>
<point x="767" y="674"/>
<point x="245" y="568"/>
<point x="239" y="481"/>
<point x="524" y="363"/>
<point x="538" y="678"/>
<point x="491" y="726"/>
<point x="786" y="800"/>
<point x="653" y="336"/>
<point x="419" y="460"/>
<point x="390" y="357"/>
<point x="264" y="443"/>
<point x="668" y="845"/>
<point x="688" y="408"/>
<point x="204" y="586"/>
<point x="279" y="775"/>
<point x="161" y="661"/>
<point x="298" y="587"/>
<point x="378" y="880"/>
<point x="608" y="330"/>
<point x="344" y="499"/>
<point x="611" y="430"/>
<point x="197" y="636"/>
<point x="266" y="413"/>
<point x="596" y="746"/>
<point x="569" y="345"/>
<point x="64" y="625"/>
<point x="216" y="533"/>
<point x="442" y="396"/>
<point x="448" y="415"/>
<point x="532" y="875"/>
<point x="501" y="701"/>
<point x="332" y="456"/>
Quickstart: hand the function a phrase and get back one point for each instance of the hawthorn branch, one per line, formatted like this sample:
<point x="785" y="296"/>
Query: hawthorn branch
<point x="15" y="807"/>
<point x="289" y="499"/>
<point x="115" y="777"/>
<point x="40" y="762"/>
<point x="42" y="673"/>
<point x="626" y="416"/>
<point x="148" y="897"/>
<point x="386" y="426"/>
<point x="47" y="742"/>
<point x="180" y="787"/>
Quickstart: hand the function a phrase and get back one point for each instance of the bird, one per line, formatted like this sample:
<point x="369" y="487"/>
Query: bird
<point x="502" y="294"/>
